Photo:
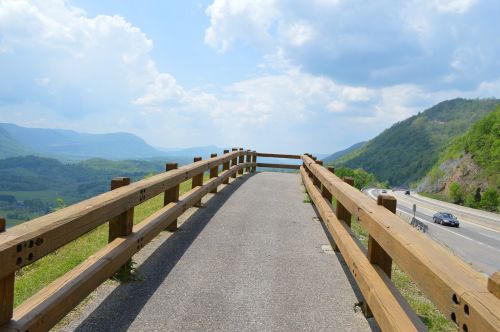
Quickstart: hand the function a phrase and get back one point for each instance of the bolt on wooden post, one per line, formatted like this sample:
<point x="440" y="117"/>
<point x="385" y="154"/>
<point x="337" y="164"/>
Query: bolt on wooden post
<point x="197" y="181"/>
<point x="214" y="172"/>
<point x="376" y="254"/>
<point x="225" y="167"/>
<point x="234" y="162"/>
<point x="6" y="290"/>
<point x="324" y="191"/>
<point x="341" y="212"/>
<point x="171" y="196"/>
<point x="248" y="160"/>
<point x="122" y="224"/>
<point x="254" y="161"/>
<point x="241" y="161"/>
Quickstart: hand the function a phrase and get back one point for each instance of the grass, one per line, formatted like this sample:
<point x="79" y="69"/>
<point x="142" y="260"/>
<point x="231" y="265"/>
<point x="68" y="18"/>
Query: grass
<point x="417" y="300"/>
<point x="439" y="197"/>
<point x="32" y="278"/>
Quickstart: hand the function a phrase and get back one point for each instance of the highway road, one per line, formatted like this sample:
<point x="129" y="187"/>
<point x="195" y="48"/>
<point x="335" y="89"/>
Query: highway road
<point x="476" y="241"/>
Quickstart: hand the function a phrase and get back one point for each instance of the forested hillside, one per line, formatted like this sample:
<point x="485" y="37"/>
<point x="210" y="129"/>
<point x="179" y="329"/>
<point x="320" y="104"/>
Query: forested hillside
<point x="406" y="151"/>
<point x="468" y="171"/>
<point x="32" y="186"/>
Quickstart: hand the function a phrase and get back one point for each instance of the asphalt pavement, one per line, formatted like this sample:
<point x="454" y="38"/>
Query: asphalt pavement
<point x="255" y="258"/>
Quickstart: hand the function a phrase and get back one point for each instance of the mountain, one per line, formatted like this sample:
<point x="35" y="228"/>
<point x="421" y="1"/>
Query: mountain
<point x="199" y="151"/>
<point x="470" y="166"/>
<point x="71" y="144"/>
<point x="342" y="153"/>
<point x="10" y="147"/>
<point x="406" y="151"/>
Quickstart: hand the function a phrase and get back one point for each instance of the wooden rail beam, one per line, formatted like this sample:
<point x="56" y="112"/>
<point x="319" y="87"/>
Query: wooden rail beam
<point x="457" y="289"/>
<point x="171" y="196"/>
<point x="25" y="243"/>
<point x="278" y="155"/>
<point x="391" y="312"/>
<point x="52" y="303"/>
<point x="286" y="166"/>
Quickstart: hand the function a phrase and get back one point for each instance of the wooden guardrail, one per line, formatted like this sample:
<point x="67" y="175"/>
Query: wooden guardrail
<point x="277" y="155"/>
<point x="462" y="294"/>
<point x="24" y="244"/>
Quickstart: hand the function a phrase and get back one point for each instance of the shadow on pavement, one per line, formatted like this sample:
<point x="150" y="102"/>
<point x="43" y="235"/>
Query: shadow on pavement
<point x="119" y="310"/>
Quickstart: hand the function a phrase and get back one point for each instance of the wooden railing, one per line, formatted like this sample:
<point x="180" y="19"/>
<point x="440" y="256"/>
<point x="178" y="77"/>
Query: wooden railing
<point x="24" y="244"/>
<point x="462" y="294"/>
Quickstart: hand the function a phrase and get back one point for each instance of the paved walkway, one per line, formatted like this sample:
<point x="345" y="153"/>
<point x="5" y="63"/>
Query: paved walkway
<point x="252" y="259"/>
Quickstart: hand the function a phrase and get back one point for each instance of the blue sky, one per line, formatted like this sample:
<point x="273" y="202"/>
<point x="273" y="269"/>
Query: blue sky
<point x="279" y="76"/>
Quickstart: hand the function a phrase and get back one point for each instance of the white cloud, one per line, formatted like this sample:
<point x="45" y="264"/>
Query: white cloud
<point x="380" y="43"/>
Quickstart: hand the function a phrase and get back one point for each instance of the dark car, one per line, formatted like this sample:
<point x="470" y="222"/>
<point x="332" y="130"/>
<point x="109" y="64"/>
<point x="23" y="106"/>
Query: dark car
<point x="445" y="218"/>
<point x="407" y="192"/>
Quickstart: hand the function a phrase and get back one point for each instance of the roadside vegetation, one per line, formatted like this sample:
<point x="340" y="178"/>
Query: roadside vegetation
<point x="474" y="180"/>
<point x="34" y="277"/>
<point x="417" y="300"/>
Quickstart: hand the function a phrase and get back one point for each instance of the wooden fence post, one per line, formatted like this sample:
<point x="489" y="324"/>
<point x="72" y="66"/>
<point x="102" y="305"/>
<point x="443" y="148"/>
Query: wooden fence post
<point x="248" y="160"/>
<point x="171" y="196"/>
<point x="341" y="212"/>
<point x="324" y="191"/>
<point x="121" y="225"/>
<point x="225" y="167"/>
<point x="376" y="254"/>
<point x="196" y="181"/>
<point x="254" y="160"/>
<point x="494" y="284"/>
<point x="234" y="162"/>
<point x="316" y="181"/>
<point x="241" y="160"/>
<point x="214" y="172"/>
<point x="6" y="290"/>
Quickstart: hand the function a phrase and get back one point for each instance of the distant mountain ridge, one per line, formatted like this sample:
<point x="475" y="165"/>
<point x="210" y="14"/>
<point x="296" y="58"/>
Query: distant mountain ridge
<point x="72" y="144"/>
<point x="342" y="153"/>
<point x="406" y="151"/>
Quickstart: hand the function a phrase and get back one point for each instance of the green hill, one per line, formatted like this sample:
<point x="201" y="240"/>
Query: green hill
<point x="470" y="166"/>
<point x="341" y="153"/>
<point x="406" y="151"/>
<point x="10" y="147"/>
<point x="75" y="145"/>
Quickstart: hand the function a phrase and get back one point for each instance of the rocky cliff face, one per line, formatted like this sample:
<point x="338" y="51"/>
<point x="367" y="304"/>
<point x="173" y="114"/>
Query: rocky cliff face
<point x="463" y="170"/>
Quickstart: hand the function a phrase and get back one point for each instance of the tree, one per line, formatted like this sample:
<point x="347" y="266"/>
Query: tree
<point x="489" y="201"/>
<point x="455" y="193"/>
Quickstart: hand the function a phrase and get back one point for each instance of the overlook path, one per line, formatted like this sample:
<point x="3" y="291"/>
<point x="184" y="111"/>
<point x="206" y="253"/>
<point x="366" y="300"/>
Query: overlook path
<point x="250" y="260"/>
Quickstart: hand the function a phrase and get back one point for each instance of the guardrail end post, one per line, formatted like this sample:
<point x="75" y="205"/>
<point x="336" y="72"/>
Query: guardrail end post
<point x="196" y="181"/>
<point x="225" y="167"/>
<point x="171" y="196"/>
<point x="214" y="172"/>
<point x="6" y="290"/>
<point x="248" y="161"/>
<point x="494" y="284"/>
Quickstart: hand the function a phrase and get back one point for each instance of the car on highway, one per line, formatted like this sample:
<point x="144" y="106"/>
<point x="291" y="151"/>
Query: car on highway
<point x="384" y="191"/>
<point x="445" y="218"/>
<point x="407" y="192"/>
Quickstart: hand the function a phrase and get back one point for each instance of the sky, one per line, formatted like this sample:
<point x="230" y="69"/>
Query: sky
<point x="274" y="76"/>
